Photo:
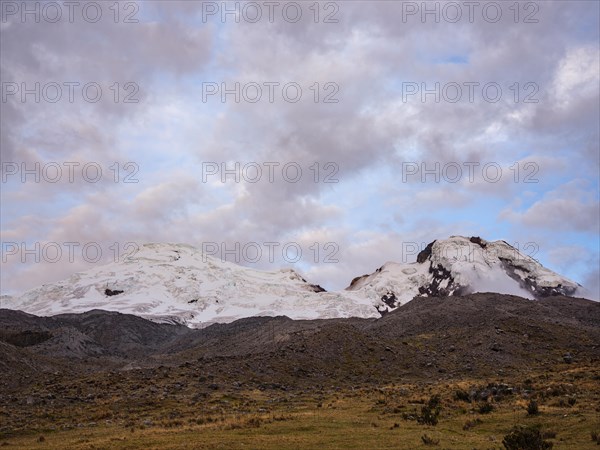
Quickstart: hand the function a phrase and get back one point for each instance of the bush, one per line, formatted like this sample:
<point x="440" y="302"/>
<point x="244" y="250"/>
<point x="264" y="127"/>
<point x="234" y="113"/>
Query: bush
<point x="430" y="411"/>
<point x="471" y="423"/>
<point x="525" y="438"/>
<point x="462" y="395"/>
<point x="429" y="440"/>
<point x="548" y="434"/>
<point x="486" y="408"/>
<point x="532" y="408"/>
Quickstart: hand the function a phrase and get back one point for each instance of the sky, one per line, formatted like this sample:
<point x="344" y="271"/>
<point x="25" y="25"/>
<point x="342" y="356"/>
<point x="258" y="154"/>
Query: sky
<point x="330" y="137"/>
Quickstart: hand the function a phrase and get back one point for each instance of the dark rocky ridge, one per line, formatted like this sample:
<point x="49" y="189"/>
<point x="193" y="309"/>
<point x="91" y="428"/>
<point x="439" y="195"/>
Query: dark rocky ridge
<point x="430" y="336"/>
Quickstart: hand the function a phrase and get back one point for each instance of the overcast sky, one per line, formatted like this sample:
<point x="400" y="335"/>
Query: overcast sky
<point x="377" y="126"/>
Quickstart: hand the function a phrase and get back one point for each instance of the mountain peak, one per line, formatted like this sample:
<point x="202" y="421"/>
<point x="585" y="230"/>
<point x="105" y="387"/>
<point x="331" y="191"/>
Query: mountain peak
<point x="178" y="283"/>
<point x="460" y="265"/>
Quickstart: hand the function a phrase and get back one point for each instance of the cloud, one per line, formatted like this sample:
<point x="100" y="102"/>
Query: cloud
<point x="572" y="206"/>
<point x="577" y="76"/>
<point x="367" y="54"/>
<point x="591" y="281"/>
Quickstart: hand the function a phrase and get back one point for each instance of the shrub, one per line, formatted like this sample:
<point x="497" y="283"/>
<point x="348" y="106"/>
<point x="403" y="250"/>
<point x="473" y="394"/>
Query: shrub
<point x="549" y="434"/>
<point x="430" y="412"/>
<point x="254" y="422"/>
<point x="429" y="440"/>
<point x="525" y="438"/>
<point x="486" y="408"/>
<point x="532" y="408"/>
<point x="471" y="423"/>
<point x="462" y="395"/>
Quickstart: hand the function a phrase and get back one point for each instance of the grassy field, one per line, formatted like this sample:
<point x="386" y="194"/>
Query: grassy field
<point x="367" y="418"/>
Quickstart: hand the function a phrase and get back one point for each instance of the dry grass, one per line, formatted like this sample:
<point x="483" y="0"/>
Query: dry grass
<point x="374" y="418"/>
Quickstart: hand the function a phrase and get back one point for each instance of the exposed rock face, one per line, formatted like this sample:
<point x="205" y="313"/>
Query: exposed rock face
<point x="477" y="240"/>
<point x="442" y="283"/>
<point x="317" y="288"/>
<point x="313" y="287"/>
<point x="530" y="283"/>
<point x="110" y="292"/>
<point x="389" y="299"/>
<point x="356" y="280"/>
<point x="425" y="254"/>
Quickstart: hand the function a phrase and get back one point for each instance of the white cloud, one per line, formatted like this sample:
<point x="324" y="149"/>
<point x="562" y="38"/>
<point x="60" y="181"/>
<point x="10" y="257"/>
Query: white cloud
<point x="577" y="76"/>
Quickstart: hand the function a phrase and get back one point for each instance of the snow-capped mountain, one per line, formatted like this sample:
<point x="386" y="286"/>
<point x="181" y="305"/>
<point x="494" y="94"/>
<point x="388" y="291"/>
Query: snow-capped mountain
<point x="175" y="282"/>
<point x="461" y="265"/>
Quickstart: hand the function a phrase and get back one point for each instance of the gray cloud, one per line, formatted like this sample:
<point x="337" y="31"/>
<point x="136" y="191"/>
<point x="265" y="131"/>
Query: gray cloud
<point x="572" y="207"/>
<point x="368" y="134"/>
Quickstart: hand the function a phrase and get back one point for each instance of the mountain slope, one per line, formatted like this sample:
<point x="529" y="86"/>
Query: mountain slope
<point x="472" y="350"/>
